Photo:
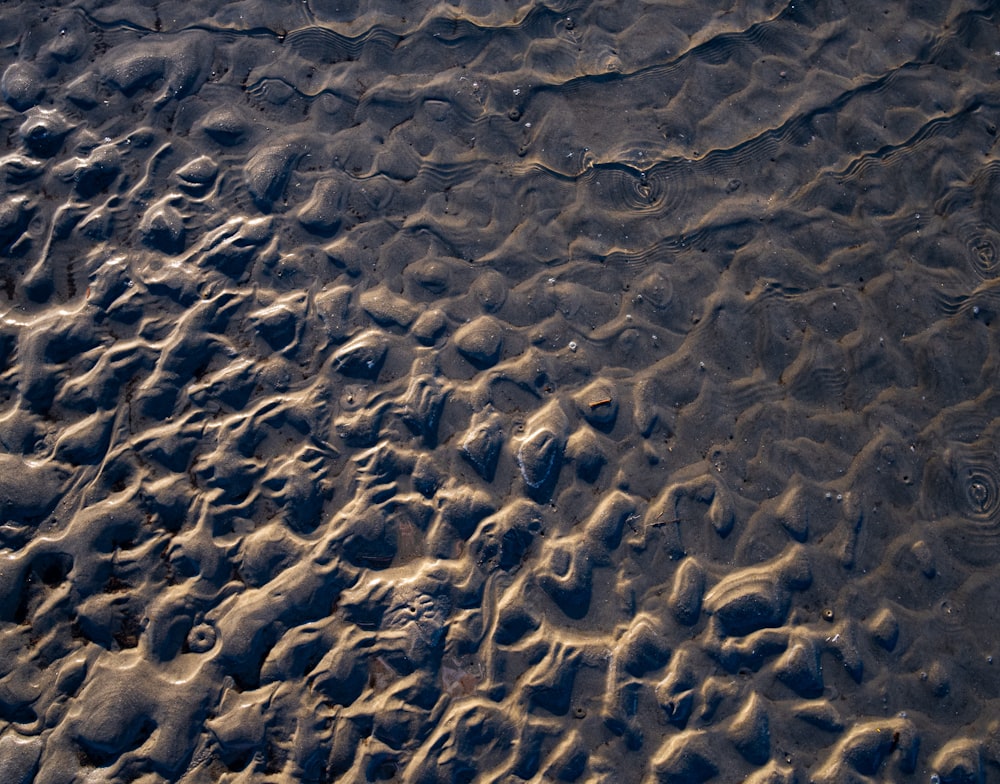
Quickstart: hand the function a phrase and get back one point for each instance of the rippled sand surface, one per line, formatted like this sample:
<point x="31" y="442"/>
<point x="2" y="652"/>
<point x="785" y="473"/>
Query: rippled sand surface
<point x="484" y="392"/>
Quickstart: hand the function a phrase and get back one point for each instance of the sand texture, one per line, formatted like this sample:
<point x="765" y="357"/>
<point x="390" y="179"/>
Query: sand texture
<point x="483" y="392"/>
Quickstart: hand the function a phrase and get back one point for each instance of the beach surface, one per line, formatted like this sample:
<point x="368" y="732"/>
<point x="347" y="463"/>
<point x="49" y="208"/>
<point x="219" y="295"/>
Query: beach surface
<point x="484" y="392"/>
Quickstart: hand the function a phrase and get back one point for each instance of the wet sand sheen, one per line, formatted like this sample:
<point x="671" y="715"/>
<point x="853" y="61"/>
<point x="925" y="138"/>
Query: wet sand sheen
<point x="538" y="393"/>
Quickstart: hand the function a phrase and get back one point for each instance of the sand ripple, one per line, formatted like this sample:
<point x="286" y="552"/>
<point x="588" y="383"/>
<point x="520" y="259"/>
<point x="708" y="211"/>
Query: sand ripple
<point x="498" y="392"/>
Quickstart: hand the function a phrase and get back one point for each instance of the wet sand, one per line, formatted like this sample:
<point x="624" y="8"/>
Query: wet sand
<point x="493" y="393"/>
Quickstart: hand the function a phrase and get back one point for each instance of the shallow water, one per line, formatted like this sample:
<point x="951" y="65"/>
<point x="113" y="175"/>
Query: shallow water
<point x="486" y="392"/>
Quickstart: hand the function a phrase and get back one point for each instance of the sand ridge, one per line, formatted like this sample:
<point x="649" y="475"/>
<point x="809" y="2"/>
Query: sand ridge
<point x="499" y="393"/>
